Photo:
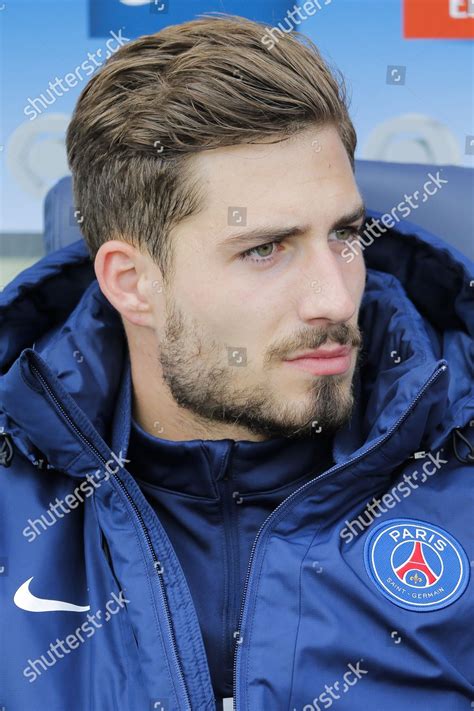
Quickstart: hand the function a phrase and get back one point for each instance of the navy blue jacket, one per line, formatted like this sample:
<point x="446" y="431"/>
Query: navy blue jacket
<point x="358" y="592"/>
<point x="212" y="496"/>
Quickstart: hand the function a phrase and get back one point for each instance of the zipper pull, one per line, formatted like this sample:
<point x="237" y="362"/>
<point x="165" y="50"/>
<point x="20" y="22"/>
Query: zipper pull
<point x="6" y="449"/>
<point x="470" y="455"/>
<point x="419" y="455"/>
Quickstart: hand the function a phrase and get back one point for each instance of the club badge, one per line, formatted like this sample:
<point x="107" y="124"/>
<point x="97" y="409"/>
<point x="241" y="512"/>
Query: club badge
<point x="415" y="564"/>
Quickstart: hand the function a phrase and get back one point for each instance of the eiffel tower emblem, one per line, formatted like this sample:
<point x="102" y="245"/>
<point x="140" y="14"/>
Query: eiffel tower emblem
<point x="416" y="562"/>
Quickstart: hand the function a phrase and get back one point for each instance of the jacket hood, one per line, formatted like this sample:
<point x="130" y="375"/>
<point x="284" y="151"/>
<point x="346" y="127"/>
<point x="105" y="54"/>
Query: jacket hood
<point x="417" y="312"/>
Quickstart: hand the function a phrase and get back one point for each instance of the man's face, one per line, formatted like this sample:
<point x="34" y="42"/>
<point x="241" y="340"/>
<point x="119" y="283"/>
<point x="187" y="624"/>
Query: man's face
<point x="232" y="316"/>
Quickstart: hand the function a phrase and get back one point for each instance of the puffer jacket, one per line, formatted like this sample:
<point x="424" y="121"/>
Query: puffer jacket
<point x="359" y="591"/>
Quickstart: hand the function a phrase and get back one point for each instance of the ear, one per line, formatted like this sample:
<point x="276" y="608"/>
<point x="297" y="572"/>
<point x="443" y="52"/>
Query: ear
<point x="125" y="278"/>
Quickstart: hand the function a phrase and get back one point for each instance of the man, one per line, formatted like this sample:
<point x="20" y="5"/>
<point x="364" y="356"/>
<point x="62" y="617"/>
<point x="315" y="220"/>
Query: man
<point x="236" y="461"/>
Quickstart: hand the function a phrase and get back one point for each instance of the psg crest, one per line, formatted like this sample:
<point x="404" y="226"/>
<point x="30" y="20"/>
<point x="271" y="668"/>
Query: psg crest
<point x="415" y="564"/>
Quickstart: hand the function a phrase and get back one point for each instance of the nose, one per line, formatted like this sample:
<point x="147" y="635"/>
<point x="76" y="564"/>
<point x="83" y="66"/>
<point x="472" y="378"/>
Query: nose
<point x="328" y="289"/>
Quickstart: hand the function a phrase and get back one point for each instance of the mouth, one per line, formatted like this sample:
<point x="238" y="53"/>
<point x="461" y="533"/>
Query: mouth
<point x="323" y="361"/>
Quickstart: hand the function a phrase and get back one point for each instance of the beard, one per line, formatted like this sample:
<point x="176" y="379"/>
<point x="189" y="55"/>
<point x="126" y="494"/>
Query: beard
<point x="195" y="370"/>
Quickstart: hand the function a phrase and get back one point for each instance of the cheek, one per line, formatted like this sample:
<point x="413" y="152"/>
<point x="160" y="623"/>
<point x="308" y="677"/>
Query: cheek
<point x="196" y="292"/>
<point x="226" y="310"/>
<point x="238" y="324"/>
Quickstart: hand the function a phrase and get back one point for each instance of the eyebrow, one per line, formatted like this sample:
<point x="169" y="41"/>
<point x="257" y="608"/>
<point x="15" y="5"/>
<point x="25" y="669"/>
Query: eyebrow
<point x="271" y="233"/>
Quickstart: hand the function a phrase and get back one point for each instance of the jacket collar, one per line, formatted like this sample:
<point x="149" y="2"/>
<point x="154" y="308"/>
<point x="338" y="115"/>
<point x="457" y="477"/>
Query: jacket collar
<point x="194" y="467"/>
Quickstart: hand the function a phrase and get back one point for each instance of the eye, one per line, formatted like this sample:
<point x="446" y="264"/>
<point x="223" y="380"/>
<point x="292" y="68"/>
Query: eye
<point x="350" y="233"/>
<point x="265" y="257"/>
<point x="249" y="255"/>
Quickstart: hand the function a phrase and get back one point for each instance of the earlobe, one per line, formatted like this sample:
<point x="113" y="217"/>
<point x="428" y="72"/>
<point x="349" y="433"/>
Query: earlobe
<point x="139" y="314"/>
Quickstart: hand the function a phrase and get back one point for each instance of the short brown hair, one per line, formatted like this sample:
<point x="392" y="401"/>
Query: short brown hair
<point x="199" y="85"/>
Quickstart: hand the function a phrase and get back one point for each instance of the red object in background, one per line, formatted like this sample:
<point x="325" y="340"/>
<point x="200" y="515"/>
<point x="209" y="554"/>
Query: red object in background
<point x="433" y="19"/>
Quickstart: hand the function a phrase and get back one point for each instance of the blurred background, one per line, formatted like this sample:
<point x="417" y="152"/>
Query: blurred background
<point x="408" y="64"/>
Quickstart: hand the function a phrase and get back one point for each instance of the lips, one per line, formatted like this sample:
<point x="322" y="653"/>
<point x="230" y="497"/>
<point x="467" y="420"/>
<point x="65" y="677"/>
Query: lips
<point x="324" y="353"/>
<point x="323" y="361"/>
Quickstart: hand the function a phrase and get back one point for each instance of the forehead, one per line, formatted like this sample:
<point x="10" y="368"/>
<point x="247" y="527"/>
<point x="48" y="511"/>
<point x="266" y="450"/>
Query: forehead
<point x="309" y="172"/>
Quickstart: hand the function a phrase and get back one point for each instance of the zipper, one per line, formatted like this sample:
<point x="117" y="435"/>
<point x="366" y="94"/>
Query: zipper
<point x="290" y="499"/>
<point x="230" y="527"/>
<point x="156" y="563"/>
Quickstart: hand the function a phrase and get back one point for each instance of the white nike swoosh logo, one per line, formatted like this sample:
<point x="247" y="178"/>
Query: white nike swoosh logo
<point x="25" y="600"/>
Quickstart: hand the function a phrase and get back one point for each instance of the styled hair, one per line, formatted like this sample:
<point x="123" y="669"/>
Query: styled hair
<point x="200" y="85"/>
